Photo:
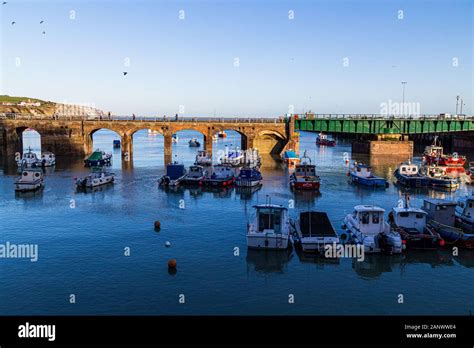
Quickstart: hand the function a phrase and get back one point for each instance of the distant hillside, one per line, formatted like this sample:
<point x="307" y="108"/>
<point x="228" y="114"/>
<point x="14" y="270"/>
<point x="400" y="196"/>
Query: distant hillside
<point x="38" y="107"/>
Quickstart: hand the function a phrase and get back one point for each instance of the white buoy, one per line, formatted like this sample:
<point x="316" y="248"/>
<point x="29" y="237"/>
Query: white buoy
<point x="167" y="244"/>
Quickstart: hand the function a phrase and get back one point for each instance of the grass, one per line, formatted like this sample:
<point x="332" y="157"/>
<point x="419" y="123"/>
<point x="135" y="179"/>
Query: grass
<point x="16" y="100"/>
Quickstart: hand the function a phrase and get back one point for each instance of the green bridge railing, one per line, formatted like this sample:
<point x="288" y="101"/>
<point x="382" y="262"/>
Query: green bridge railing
<point x="377" y="124"/>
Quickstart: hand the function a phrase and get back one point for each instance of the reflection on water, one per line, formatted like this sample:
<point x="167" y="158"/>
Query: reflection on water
<point x="81" y="248"/>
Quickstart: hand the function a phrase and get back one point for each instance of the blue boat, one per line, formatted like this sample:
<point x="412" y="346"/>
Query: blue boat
<point x="175" y="173"/>
<point x="362" y="174"/>
<point x="98" y="159"/>
<point x="408" y="174"/>
<point x="116" y="144"/>
<point x="290" y="157"/>
<point x="248" y="177"/>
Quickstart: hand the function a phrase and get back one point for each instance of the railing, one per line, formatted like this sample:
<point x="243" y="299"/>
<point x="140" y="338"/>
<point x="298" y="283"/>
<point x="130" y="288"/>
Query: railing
<point x="383" y="117"/>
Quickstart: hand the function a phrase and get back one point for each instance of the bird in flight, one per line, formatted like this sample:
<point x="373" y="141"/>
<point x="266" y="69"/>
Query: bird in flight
<point x="125" y="73"/>
<point x="13" y="23"/>
<point x="41" y="22"/>
<point x="4" y="3"/>
<point x="44" y="32"/>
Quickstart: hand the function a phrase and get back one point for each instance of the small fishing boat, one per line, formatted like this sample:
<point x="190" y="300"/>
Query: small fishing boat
<point x="222" y="134"/>
<point x="313" y="231"/>
<point x="194" y="143"/>
<point x="322" y="140"/>
<point x="203" y="158"/>
<point x="465" y="213"/>
<point x="248" y="177"/>
<point x="233" y="157"/>
<point x="29" y="160"/>
<point x="48" y="159"/>
<point x="222" y="176"/>
<point x="362" y="174"/>
<point x="470" y="173"/>
<point x="195" y="175"/>
<point x="437" y="177"/>
<point x="116" y="144"/>
<point x="215" y="137"/>
<point x="30" y="180"/>
<point x="410" y="222"/>
<point x="174" y="138"/>
<point x="269" y="229"/>
<point x="304" y="177"/>
<point x="95" y="179"/>
<point x="175" y="173"/>
<point x="153" y="132"/>
<point x="433" y="155"/>
<point x="442" y="219"/>
<point x="408" y="174"/>
<point x="290" y="158"/>
<point x="367" y="226"/>
<point x="98" y="159"/>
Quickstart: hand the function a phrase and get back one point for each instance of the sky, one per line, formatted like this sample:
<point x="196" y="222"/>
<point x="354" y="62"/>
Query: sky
<point x="240" y="58"/>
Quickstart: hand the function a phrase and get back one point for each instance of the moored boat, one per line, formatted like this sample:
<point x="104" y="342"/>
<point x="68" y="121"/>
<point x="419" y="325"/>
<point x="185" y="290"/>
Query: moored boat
<point x="48" y="159"/>
<point x="203" y="158"/>
<point x="367" y="226"/>
<point x="313" y="231"/>
<point x="434" y="155"/>
<point x="410" y="223"/>
<point x="175" y="173"/>
<point x="98" y="159"/>
<point x="248" y="177"/>
<point x="116" y="144"/>
<point x="437" y="177"/>
<point x="30" y="180"/>
<point x="232" y="157"/>
<point x="442" y="219"/>
<point x="195" y="175"/>
<point x="290" y="157"/>
<point x="222" y="134"/>
<point x="304" y="177"/>
<point x="269" y="228"/>
<point x="222" y="176"/>
<point x="29" y="160"/>
<point x="465" y="213"/>
<point x="408" y="174"/>
<point x="95" y="179"/>
<point x="470" y="173"/>
<point x="362" y="174"/>
<point x="194" y="143"/>
<point x="322" y="140"/>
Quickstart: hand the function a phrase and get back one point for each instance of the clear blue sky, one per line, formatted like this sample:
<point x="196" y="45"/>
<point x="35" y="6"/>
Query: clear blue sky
<point x="283" y="62"/>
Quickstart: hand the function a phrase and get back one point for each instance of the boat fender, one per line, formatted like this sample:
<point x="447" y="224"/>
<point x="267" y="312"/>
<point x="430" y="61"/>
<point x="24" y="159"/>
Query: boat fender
<point x="344" y="237"/>
<point x="266" y="242"/>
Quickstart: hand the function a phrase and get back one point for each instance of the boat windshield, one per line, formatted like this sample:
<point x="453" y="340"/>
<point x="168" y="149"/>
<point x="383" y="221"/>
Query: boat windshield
<point x="269" y="219"/>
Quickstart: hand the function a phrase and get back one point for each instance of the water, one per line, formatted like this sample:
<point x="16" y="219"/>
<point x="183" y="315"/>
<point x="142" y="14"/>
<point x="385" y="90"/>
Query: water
<point x="82" y="238"/>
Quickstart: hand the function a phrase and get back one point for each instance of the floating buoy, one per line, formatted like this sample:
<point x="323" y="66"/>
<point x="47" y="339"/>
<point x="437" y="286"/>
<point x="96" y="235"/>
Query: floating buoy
<point x="172" y="263"/>
<point x="157" y="225"/>
<point x="442" y="242"/>
<point x="167" y="244"/>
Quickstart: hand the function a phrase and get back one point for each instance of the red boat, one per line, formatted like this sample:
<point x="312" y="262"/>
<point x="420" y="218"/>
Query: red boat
<point x="322" y="140"/>
<point x="304" y="176"/>
<point x="434" y="155"/>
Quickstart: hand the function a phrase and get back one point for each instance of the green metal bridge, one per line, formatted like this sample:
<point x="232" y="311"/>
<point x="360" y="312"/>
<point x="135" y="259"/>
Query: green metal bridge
<point x="379" y="124"/>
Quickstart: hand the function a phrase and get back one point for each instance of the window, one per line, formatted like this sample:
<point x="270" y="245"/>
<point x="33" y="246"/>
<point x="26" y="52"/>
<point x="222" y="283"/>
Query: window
<point x="470" y="204"/>
<point x="404" y="215"/>
<point x="365" y="218"/>
<point x="375" y="218"/>
<point x="420" y="216"/>
<point x="269" y="219"/>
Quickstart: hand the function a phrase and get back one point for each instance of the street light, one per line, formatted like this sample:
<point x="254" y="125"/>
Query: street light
<point x="403" y="95"/>
<point x="457" y="103"/>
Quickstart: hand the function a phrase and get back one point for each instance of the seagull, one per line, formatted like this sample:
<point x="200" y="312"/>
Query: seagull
<point x="44" y="32"/>
<point x="13" y="23"/>
<point x="125" y="73"/>
<point x="4" y="3"/>
<point x="41" y="22"/>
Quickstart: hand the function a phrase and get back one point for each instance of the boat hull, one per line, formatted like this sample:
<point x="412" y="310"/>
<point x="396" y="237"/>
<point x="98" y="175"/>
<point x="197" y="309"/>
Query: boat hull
<point x="27" y="187"/>
<point x="247" y="183"/>
<point x="370" y="182"/>
<point x="300" y="185"/>
<point x="267" y="241"/>
<point x="218" y="182"/>
<point x="449" y="161"/>
<point x="411" y="180"/>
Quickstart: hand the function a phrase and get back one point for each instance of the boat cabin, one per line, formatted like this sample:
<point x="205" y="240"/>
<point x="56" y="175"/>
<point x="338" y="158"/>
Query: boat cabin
<point x="175" y="171"/>
<point x="434" y="150"/>
<point x="408" y="169"/>
<point x="305" y="170"/>
<point x="369" y="219"/>
<point x="322" y="136"/>
<point x="465" y="207"/>
<point x="30" y="175"/>
<point x="270" y="218"/>
<point x="410" y="218"/>
<point x="362" y="170"/>
<point x="315" y="224"/>
<point x="440" y="210"/>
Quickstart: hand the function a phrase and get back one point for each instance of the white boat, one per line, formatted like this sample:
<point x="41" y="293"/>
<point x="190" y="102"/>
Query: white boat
<point x="313" y="231"/>
<point x="270" y="228"/>
<point x="304" y="177"/>
<point x="95" y="179"/>
<point x="252" y="158"/>
<point x="465" y="213"/>
<point x="367" y="226"/>
<point x="195" y="175"/>
<point x="222" y="176"/>
<point x="174" y="138"/>
<point x="194" y="142"/>
<point x="30" y="180"/>
<point x="203" y="158"/>
<point x="175" y="173"/>
<point x="29" y="160"/>
<point x="248" y="177"/>
<point x="233" y="157"/>
<point x="48" y="159"/>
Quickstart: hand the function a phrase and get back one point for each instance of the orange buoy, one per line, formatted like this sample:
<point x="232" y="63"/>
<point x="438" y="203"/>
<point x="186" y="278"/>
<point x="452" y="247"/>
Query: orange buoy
<point x="157" y="225"/>
<point x="172" y="263"/>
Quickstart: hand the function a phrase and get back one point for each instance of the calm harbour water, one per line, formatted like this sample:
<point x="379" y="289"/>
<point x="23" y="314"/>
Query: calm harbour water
<point x="81" y="248"/>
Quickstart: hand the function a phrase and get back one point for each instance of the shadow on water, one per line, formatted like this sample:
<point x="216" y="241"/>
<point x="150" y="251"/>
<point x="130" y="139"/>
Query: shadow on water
<point x="268" y="261"/>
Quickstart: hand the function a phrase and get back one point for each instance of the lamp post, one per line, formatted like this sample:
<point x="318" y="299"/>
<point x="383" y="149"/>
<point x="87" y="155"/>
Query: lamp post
<point x="457" y="103"/>
<point x="403" y="95"/>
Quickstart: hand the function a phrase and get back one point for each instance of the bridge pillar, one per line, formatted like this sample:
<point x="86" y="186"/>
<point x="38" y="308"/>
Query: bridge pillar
<point x="208" y="142"/>
<point x="88" y="146"/>
<point x="127" y="147"/>
<point x="393" y="145"/>
<point x="168" y="145"/>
